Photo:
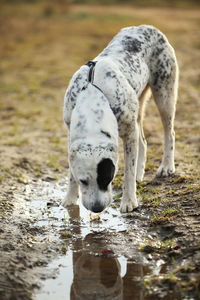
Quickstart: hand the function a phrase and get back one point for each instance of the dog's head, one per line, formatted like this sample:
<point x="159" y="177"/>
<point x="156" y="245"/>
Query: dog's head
<point x="94" y="168"/>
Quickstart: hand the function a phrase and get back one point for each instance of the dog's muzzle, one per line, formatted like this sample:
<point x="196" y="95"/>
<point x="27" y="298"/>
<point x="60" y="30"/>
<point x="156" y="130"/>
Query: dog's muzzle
<point x="97" y="207"/>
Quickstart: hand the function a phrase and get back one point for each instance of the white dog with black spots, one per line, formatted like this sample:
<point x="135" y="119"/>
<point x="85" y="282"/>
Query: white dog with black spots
<point x="106" y="100"/>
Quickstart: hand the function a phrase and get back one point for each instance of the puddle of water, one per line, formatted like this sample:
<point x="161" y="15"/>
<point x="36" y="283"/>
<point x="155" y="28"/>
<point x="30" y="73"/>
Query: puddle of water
<point x="60" y="287"/>
<point x="43" y="206"/>
<point x="82" y="276"/>
<point x="83" y="273"/>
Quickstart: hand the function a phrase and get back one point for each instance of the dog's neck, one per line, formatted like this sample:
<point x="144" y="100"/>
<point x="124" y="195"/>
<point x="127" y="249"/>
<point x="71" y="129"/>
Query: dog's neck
<point x="92" y="118"/>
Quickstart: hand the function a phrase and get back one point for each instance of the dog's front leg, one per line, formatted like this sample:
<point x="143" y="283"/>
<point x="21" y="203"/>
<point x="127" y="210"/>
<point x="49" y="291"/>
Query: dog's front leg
<point x="129" y="199"/>
<point x="72" y="192"/>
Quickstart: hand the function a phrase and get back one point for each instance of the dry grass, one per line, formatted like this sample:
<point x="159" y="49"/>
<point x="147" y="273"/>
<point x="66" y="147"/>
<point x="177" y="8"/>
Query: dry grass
<point x="43" y="44"/>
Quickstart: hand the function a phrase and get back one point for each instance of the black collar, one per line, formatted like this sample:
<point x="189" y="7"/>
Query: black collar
<point x="91" y="64"/>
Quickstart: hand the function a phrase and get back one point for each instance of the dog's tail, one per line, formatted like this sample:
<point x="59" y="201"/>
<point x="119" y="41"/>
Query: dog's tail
<point x="145" y="96"/>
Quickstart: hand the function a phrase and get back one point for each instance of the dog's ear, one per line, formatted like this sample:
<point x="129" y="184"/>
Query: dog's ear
<point x="105" y="173"/>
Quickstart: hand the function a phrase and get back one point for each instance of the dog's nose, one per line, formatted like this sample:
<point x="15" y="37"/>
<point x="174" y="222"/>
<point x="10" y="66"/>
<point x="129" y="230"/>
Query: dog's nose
<point x="97" y="207"/>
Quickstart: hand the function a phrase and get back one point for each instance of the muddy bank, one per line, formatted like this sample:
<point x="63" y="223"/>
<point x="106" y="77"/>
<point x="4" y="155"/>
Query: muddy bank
<point x="50" y="252"/>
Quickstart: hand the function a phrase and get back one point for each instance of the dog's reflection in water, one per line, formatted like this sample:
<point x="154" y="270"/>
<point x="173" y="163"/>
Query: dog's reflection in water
<point x="96" y="278"/>
<point x="99" y="277"/>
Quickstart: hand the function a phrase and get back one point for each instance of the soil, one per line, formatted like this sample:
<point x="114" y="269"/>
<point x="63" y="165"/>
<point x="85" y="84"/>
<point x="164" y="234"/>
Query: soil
<point x="41" y="47"/>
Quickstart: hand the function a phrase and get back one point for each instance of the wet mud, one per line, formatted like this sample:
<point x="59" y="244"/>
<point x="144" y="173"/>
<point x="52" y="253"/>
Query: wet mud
<point x="78" y="256"/>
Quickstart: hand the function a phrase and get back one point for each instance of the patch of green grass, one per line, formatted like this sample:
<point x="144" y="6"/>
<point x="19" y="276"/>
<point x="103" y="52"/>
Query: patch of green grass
<point x="145" y="192"/>
<point x="155" y="191"/>
<point x="148" y="199"/>
<point x="178" y="278"/>
<point x="183" y="179"/>
<point x="118" y="198"/>
<point x="150" y="281"/>
<point x="6" y="173"/>
<point x="157" y="245"/>
<point x="53" y="162"/>
<point x="166" y="215"/>
<point x="115" y="205"/>
<point x="191" y="189"/>
<point x="17" y="142"/>
<point x="37" y="172"/>
<point x="64" y="249"/>
<point x="58" y="144"/>
<point x="171" y="211"/>
<point x="150" y="166"/>
<point x="10" y="88"/>
<point x="22" y="179"/>
<point x="172" y="192"/>
<point x="66" y="235"/>
<point x="159" y="219"/>
<point x="13" y="131"/>
<point x="29" y="114"/>
<point x="49" y="125"/>
<point x="55" y="140"/>
<point x="118" y="181"/>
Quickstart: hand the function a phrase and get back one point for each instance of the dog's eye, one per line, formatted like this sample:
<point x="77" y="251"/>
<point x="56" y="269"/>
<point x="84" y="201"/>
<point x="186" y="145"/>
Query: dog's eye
<point x="84" y="182"/>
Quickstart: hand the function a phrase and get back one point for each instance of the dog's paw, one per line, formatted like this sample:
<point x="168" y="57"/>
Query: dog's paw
<point x="70" y="200"/>
<point x="139" y="177"/>
<point x="140" y="173"/>
<point x="127" y="206"/>
<point x="165" y="171"/>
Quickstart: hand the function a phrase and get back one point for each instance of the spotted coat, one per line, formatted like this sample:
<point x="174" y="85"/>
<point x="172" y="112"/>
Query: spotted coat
<point x="138" y="58"/>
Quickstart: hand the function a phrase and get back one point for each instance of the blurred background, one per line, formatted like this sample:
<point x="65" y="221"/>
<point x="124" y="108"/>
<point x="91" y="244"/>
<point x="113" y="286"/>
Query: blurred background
<point x="44" y="42"/>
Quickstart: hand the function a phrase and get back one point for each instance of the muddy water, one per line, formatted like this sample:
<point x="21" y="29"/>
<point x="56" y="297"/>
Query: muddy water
<point x="96" y="264"/>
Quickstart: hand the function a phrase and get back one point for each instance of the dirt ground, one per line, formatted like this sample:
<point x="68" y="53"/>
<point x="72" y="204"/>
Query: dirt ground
<point x="41" y="47"/>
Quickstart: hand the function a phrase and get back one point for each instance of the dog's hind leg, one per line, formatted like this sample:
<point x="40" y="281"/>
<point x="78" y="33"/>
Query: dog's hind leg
<point x="72" y="192"/>
<point x="164" y="85"/>
<point x="142" y="144"/>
